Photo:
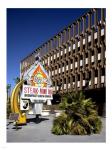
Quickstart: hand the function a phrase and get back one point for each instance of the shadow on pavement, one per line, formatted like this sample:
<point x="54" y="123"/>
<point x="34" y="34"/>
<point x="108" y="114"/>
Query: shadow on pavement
<point x="36" y="120"/>
<point x="17" y="128"/>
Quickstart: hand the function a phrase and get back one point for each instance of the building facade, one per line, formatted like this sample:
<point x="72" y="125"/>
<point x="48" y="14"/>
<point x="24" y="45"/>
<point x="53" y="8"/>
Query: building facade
<point x="76" y="55"/>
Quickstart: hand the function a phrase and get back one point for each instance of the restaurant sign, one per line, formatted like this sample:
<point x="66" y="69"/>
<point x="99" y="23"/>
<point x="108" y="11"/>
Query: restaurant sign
<point x="39" y="93"/>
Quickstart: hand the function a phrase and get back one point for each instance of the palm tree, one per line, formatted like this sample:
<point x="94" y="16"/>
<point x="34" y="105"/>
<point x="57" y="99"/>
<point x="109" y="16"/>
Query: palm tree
<point x="17" y="80"/>
<point x="8" y="91"/>
<point x="79" y="117"/>
<point x="8" y="99"/>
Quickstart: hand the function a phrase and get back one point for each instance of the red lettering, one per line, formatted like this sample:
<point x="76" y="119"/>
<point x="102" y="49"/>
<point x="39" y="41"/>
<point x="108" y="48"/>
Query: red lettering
<point x="28" y="89"/>
<point x="31" y="92"/>
<point x="35" y="90"/>
<point x="25" y="89"/>
<point x="50" y="91"/>
<point x="43" y="91"/>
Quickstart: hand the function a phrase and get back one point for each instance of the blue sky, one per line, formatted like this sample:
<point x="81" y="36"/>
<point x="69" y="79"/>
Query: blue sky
<point x="27" y="29"/>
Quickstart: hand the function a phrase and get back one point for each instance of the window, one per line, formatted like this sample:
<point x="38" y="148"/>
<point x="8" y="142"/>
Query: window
<point x="80" y="62"/>
<point x="75" y="64"/>
<point x="61" y="52"/>
<point x="69" y="48"/>
<point x="96" y="73"/>
<point x="71" y="66"/>
<point x="67" y="67"/>
<point x="73" y="46"/>
<point x="73" y="78"/>
<point x="57" y="54"/>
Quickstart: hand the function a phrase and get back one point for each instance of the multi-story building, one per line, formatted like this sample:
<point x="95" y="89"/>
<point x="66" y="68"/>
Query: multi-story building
<point x="76" y="55"/>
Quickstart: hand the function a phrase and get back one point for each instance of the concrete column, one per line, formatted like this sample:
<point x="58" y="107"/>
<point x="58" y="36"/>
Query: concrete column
<point x="99" y="77"/>
<point x="78" y="65"/>
<point x="76" y="45"/>
<point x="84" y="24"/>
<point x="59" y="54"/>
<point x="71" y="45"/>
<point x="73" y="64"/>
<point x="102" y="55"/>
<point x="65" y="36"/>
<point x="69" y="63"/>
<point x="99" y="35"/>
<point x="50" y="60"/>
<point x="66" y="83"/>
<point x="89" y="59"/>
<point x="84" y="57"/>
<point x="86" y="40"/>
<point x="105" y="34"/>
<point x="89" y="21"/>
<point x="96" y="57"/>
<point x="67" y="50"/>
<point x="76" y="79"/>
<point x="92" y="38"/>
<point x="61" y="68"/>
<point x="45" y="48"/>
<point x="63" y="55"/>
<point x="81" y="43"/>
<point x="81" y="80"/>
<point x="55" y="85"/>
<point x="53" y="58"/>
<point x="78" y="22"/>
<point x="71" y="82"/>
<point x="57" y="69"/>
<point x="62" y="85"/>
<point x="92" y="78"/>
<point x="102" y="16"/>
<point x="87" y="75"/>
<point x="74" y="29"/>
<point x="55" y="43"/>
<point x="65" y="67"/>
<point x="61" y="38"/>
<point x="56" y="55"/>
<point x="95" y="17"/>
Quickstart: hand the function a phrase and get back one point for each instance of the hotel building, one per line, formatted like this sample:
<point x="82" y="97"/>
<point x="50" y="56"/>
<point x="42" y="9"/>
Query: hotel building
<point x="76" y="55"/>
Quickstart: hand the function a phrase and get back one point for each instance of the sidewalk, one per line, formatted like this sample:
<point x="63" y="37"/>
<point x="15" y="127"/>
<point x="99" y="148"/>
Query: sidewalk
<point x="41" y="132"/>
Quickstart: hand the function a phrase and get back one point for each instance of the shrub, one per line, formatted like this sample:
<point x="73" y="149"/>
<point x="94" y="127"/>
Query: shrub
<point x="80" y="116"/>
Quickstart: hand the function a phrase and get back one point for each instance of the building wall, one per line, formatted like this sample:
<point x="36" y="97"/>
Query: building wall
<point x="75" y="56"/>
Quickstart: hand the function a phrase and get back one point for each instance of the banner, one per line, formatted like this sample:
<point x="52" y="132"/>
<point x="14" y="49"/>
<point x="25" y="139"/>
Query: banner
<point x="39" y="93"/>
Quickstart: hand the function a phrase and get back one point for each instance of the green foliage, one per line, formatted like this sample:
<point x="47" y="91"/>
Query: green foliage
<point x="16" y="80"/>
<point x="8" y="99"/>
<point x="80" y="116"/>
<point x="8" y="109"/>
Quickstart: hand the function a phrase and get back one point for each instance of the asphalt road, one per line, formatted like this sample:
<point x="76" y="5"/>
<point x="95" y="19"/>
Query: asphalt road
<point x="40" y="131"/>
